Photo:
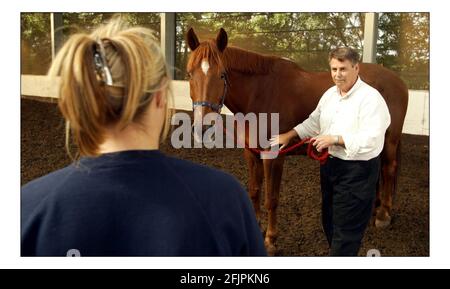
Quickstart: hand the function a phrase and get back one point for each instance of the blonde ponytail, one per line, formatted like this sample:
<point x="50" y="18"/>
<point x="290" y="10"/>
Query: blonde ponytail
<point x="88" y="102"/>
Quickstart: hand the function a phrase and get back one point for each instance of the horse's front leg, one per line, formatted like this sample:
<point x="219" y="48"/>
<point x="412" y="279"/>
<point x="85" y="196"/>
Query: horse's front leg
<point x="256" y="174"/>
<point x="273" y="169"/>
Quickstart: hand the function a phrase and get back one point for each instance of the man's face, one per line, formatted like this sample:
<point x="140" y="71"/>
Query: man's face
<point x="344" y="73"/>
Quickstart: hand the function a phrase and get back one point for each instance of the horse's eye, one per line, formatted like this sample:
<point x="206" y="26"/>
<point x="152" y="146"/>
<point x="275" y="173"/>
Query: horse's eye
<point x="222" y="76"/>
<point x="188" y="75"/>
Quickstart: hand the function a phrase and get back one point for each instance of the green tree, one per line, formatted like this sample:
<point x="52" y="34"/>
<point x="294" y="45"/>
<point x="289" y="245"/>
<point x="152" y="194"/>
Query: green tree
<point x="36" y="39"/>
<point x="306" y="38"/>
<point x="36" y="52"/>
<point x="403" y="46"/>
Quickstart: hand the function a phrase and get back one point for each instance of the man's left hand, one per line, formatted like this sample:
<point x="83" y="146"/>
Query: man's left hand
<point x="323" y="141"/>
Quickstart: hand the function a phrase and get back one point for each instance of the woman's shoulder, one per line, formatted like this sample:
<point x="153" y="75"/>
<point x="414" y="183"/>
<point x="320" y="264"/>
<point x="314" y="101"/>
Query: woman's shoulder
<point x="47" y="181"/>
<point x="39" y="191"/>
<point x="164" y="173"/>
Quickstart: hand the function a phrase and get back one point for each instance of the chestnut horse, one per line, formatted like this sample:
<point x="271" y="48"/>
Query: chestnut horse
<point x="250" y="82"/>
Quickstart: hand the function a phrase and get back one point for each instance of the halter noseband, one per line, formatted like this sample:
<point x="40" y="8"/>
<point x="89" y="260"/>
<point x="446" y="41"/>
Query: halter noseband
<point x="215" y="107"/>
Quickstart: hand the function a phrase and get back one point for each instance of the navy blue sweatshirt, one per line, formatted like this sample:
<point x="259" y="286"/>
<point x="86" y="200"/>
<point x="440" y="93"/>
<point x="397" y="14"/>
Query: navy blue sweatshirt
<point x="138" y="203"/>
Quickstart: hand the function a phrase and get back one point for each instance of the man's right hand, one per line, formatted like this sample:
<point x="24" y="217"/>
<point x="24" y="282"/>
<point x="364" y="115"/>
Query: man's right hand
<point x="283" y="139"/>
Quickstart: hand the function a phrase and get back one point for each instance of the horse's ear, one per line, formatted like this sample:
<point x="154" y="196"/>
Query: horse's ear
<point x="192" y="39"/>
<point x="222" y="40"/>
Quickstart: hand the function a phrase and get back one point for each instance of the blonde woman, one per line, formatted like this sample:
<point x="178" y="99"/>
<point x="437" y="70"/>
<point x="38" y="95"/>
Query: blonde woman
<point x="122" y="196"/>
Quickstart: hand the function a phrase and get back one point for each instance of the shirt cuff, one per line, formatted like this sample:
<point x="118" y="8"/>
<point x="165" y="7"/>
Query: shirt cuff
<point x="351" y="145"/>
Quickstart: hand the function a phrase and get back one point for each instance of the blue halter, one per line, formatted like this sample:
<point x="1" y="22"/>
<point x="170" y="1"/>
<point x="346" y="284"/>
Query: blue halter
<point x="214" y="106"/>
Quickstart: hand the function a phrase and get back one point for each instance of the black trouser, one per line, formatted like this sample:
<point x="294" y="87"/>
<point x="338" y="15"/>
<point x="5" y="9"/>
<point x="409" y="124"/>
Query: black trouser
<point x="348" y="194"/>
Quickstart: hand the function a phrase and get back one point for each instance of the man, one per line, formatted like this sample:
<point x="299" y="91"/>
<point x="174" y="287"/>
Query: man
<point x="350" y="121"/>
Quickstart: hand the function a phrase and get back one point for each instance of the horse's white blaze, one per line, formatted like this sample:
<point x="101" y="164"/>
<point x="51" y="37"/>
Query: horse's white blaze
<point x="205" y="66"/>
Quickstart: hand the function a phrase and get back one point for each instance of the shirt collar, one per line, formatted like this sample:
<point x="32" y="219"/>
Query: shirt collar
<point x="354" y="87"/>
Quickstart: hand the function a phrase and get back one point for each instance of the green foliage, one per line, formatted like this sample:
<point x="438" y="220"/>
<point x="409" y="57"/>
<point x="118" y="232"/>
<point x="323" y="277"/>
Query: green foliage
<point x="36" y="51"/>
<point x="306" y="38"/>
<point x="403" y="46"/>
<point x="36" y="39"/>
<point x="74" y="22"/>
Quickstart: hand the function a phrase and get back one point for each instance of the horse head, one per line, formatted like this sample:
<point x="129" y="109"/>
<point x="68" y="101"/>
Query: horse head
<point x="207" y="76"/>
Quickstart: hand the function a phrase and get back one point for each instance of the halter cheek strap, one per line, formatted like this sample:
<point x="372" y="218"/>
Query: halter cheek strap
<point x="214" y="106"/>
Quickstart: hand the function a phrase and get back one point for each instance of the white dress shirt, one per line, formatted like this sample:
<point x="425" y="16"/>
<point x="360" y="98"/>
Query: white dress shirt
<point x="361" y="118"/>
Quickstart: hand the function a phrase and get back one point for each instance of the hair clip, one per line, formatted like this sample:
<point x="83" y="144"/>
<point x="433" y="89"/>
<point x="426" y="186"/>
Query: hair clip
<point x="100" y="63"/>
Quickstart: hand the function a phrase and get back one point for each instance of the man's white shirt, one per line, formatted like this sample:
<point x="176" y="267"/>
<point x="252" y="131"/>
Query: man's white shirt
<point x="361" y="117"/>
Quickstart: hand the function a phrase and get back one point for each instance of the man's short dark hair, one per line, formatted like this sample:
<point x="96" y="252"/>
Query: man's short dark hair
<point x="344" y="53"/>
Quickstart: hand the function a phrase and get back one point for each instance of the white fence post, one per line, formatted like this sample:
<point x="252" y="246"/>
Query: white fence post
<point x="370" y="38"/>
<point x="56" y="24"/>
<point x="168" y="31"/>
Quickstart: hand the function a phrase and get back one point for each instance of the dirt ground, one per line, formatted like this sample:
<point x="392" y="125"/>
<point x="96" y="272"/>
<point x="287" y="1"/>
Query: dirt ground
<point x="300" y="233"/>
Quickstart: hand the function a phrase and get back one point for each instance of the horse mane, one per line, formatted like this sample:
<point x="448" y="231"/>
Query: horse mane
<point x="247" y="61"/>
<point x="232" y="58"/>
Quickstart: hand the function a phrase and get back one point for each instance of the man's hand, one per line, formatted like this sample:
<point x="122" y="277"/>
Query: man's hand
<point x="282" y="139"/>
<point x="322" y="142"/>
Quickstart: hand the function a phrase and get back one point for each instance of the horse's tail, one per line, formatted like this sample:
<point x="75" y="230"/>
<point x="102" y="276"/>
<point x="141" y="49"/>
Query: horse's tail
<point x="398" y="158"/>
<point x="381" y="180"/>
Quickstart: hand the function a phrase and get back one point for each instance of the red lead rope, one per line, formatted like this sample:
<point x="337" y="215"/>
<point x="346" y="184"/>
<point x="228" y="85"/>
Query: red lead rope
<point x="321" y="157"/>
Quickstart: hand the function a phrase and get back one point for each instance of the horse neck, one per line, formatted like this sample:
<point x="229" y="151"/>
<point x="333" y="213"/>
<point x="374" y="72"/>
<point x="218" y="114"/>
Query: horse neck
<point x="239" y="93"/>
<point x="247" y="92"/>
<point x="245" y="69"/>
<point x="286" y="84"/>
